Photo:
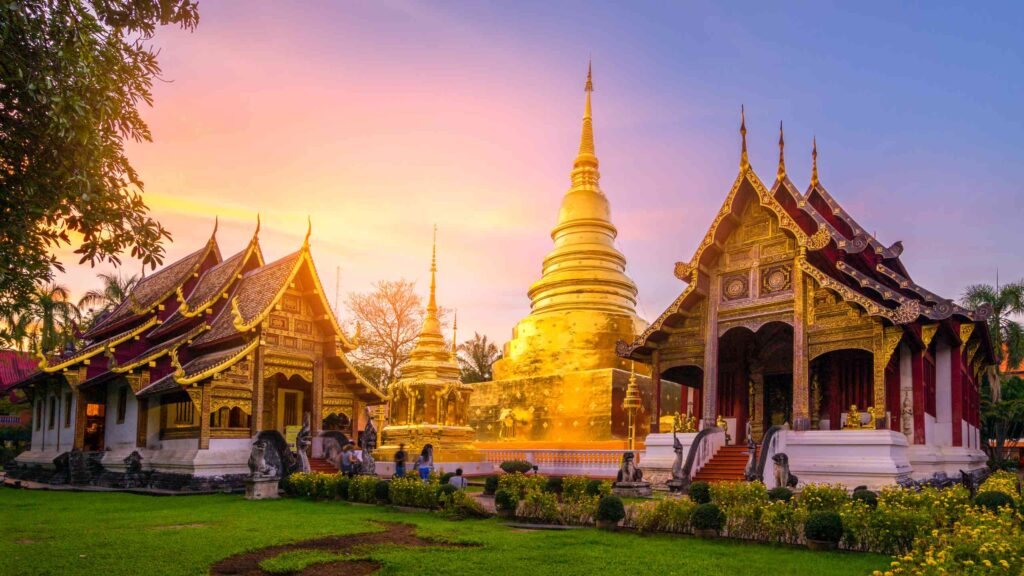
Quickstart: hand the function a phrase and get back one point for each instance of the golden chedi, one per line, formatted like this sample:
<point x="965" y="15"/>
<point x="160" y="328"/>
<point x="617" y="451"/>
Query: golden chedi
<point x="559" y="379"/>
<point x="429" y="403"/>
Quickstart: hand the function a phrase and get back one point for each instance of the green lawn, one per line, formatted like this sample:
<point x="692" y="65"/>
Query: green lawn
<point x="111" y="533"/>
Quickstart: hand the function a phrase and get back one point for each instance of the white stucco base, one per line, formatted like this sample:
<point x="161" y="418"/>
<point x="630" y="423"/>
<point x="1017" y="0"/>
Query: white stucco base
<point x="928" y="460"/>
<point x="43" y="458"/>
<point x="659" y="456"/>
<point x="872" y="458"/>
<point x="224" y="456"/>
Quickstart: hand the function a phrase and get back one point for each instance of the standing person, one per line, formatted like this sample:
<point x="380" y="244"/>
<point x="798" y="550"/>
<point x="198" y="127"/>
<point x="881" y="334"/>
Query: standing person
<point x="346" y="461"/>
<point x="400" y="458"/>
<point x="425" y="463"/>
<point x="458" y="480"/>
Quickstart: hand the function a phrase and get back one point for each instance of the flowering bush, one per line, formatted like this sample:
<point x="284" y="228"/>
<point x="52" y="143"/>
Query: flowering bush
<point x="409" y="491"/>
<point x="982" y="542"/>
<point x="459" y="505"/>
<point x="1002" y="481"/>
<point x="667" y="515"/>
<point x="363" y="489"/>
<point x="521" y="484"/>
<point x="782" y="522"/>
<point x="579" y="511"/>
<point x="574" y="486"/>
<point x="540" y="506"/>
<point x="743" y="503"/>
<point x="819" y="497"/>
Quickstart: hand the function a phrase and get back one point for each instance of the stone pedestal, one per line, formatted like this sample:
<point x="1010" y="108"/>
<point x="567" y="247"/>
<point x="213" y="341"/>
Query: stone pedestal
<point x="873" y="458"/>
<point x="632" y="489"/>
<point x="659" y="456"/>
<point x="261" y="488"/>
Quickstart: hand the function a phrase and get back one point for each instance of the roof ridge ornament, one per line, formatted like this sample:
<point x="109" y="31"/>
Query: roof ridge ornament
<point x="814" y="163"/>
<point x="782" y="153"/>
<point x="309" y="230"/>
<point x="744" y="159"/>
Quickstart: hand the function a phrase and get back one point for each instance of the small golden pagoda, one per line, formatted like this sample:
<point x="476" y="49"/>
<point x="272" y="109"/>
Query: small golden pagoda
<point x="429" y="403"/>
<point x="560" y="380"/>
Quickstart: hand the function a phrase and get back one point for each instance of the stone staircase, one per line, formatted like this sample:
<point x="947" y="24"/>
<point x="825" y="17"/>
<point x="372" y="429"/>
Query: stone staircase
<point x="727" y="465"/>
<point x="322" y="465"/>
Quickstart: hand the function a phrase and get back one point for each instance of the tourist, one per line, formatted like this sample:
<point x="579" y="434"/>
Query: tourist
<point x="347" y="459"/>
<point x="458" y="480"/>
<point x="400" y="458"/>
<point x="425" y="463"/>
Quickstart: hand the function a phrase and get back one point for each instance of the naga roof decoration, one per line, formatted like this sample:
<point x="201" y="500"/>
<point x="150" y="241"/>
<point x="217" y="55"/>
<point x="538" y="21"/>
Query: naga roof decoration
<point x="878" y="283"/>
<point x="203" y="367"/>
<point x="154" y="289"/>
<point x="160" y="350"/>
<point x="94" y="349"/>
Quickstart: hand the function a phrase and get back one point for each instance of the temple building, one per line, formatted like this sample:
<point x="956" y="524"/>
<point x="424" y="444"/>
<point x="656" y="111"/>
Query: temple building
<point x="795" y="318"/>
<point x="559" y="380"/>
<point x="200" y="357"/>
<point x="429" y="404"/>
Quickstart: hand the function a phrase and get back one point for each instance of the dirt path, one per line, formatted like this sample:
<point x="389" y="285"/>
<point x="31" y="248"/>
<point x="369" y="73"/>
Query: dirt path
<point x="248" y="563"/>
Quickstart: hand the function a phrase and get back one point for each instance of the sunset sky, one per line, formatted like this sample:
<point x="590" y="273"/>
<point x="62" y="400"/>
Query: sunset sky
<point x="379" y="119"/>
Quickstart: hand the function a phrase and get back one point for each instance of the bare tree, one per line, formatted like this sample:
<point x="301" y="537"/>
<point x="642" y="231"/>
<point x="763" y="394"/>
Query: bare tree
<point x="390" y="318"/>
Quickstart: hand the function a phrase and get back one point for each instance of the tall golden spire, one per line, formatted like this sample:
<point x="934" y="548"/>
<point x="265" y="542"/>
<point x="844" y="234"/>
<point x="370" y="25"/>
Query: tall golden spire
<point x="455" y="335"/>
<point x="587" y="152"/>
<point x="432" y="303"/>
<point x="744" y="160"/>
<point x="782" y="153"/>
<point x="814" y="163"/>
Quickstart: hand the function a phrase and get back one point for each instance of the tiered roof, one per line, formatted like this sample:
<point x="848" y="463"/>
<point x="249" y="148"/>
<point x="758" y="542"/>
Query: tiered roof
<point x="198" y="317"/>
<point x="841" y="256"/>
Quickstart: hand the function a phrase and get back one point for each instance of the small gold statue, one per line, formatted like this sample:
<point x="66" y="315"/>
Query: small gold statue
<point x="690" y="424"/>
<point x="721" y="423"/>
<point x="874" y="417"/>
<point x="853" y="418"/>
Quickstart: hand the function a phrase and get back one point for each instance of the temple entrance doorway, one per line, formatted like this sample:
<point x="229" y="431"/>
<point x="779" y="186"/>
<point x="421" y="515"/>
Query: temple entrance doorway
<point x="840" y="380"/>
<point x="95" y="422"/>
<point x="755" y="380"/>
<point x="691" y="380"/>
<point x="286" y="399"/>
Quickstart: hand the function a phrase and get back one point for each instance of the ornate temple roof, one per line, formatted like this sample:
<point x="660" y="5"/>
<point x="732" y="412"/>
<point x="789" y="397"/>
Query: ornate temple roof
<point x="840" y="254"/>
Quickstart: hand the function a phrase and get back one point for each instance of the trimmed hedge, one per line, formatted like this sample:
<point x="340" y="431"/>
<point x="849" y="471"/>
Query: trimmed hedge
<point x="780" y="494"/>
<point x="994" y="500"/>
<point x="513" y="466"/>
<point x="700" y="492"/>
<point x="707" y="516"/>
<point x="866" y="496"/>
<point x="505" y="501"/>
<point x="490" y="485"/>
<point x="610" y="509"/>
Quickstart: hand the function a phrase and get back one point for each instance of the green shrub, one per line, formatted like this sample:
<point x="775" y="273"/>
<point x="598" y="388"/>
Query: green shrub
<point x="707" y="516"/>
<point x="505" y="501"/>
<point x="816" y="497"/>
<point x="521" y="484"/>
<point x="446" y="490"/>
<point x="994" y="500"/>
<point x="409" y="491"/>
<point x="825" y="526"/>
<point x="866" y="496"/>
<point x="363" y="489"/>
<point x="700" y="492"/>
<point x="610" y="509"/>
<point x="1002" y="481"/>
<point x="666" y="515"/>
<point x="459" y="505"/>
<point x="490" y="485"/>
<point x="446" y="477"/>
<point x="541" y="507"/>
<point x="381" y="491"/>
<point x="554" y="485"/>
<point x="575" y="487"/>
<point x="513" y="466"/>
<point x="341" y="488"/>
<point x="579" y="510"/>
<point x="594" y="488"/>
<point x="732" y="495"/>
<point x="780" y="494"/>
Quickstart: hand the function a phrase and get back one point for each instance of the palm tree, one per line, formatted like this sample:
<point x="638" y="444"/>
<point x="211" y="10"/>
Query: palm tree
<point x="16" y="330"/>
<point x="115" y="290"/>
<point x="54" y="315"/>
<point x="1007" y="334"/>
<point x="476" y="356"/>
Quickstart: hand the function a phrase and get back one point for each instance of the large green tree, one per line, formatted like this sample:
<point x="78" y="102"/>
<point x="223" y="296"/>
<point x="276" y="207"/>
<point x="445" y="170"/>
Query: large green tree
<point x="54" y="316"/>
<point x="72" y="75"/>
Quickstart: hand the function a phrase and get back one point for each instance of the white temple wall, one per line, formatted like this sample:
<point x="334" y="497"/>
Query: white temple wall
<point x="119" y="430"/>
<point x="943" y="435"/>
<point x="906" y="391"/>
<point x="47" y="443"/>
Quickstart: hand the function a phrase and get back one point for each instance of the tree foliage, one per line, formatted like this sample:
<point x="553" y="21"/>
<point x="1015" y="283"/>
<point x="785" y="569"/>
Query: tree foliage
<point x="72" y="75"/>
<point x="115" y="288"/>
<point x="1007" y="302"/>
<point x="476" y="356"/>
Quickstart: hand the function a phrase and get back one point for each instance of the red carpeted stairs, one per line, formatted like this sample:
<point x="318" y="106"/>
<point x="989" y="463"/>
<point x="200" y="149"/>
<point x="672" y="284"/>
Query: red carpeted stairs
<point x="726" y="465"/>
<point x="321" y="465"/>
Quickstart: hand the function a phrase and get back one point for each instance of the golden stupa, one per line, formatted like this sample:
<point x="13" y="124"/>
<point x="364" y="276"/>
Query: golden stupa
<point x="429" y="403"/>
<point x="559" y="380"/>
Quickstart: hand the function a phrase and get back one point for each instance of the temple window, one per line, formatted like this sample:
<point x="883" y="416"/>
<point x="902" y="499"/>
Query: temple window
<point x="929" y="386"/>
<point x="183" y="412"/>
<point x="53" y="412"/>
<point x="39" y="415"/>
<point x="122" y="404"/>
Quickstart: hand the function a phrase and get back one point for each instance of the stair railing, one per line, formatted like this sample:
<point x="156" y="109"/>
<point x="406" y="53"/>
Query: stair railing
<point x="704" y="446"/>
<point x="770" y="446"/>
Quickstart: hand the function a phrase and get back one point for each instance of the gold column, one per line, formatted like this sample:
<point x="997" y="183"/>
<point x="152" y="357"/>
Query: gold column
<point x="801" y="393"/>
<point x="316" y="418"/>
<point x="256" y="418"/>
<point x="204" y="417"/>
<point x="710" y="409"/>
<point x="80" y="406"/>
<point x="656" y="381"/>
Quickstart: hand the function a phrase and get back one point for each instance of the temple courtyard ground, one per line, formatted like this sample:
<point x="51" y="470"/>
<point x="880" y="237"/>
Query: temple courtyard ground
<point x="48" y="532"/>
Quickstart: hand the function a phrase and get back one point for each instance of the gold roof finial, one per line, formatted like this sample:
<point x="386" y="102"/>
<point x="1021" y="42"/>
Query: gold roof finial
<point x="782" y="153"/>
<point x="587" y="136"/>
<point x="257" y="232"/>
<point x="455" y="335"/>
<point x="432" y="303"/>
<point x="744" y="160"/>
<point x="814" y="163"/>
<point x="309" y="230"/>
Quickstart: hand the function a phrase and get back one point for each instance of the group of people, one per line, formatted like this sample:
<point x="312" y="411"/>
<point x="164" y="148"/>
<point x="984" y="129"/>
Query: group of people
<point x="351" y="461"/>
<point x="423" y="466"/>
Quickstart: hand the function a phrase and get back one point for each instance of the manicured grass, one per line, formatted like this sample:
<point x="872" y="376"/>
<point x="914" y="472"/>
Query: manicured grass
<point x="112" y="534"/>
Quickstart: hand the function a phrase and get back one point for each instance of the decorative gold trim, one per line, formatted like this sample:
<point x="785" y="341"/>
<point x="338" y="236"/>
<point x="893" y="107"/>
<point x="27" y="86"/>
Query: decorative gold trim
<point x="179" y="373"/>
<point x="108" y="346"/>
<point x="965" y="332"/>
<point x="927" y="333"/>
